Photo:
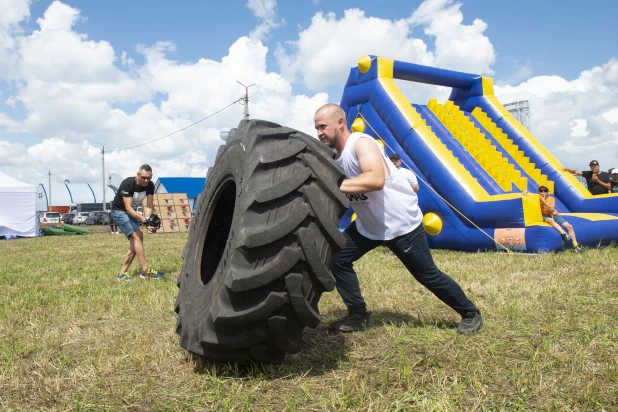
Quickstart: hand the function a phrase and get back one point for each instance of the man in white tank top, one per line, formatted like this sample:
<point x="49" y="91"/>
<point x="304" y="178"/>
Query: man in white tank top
<point x="387" y="214"/>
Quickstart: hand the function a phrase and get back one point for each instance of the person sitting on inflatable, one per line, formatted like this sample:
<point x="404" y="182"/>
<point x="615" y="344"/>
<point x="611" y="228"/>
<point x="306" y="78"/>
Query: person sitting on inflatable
<point x="551" y="216"/>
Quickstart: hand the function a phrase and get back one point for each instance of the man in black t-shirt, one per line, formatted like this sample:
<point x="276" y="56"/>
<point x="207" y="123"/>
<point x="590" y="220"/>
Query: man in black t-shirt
<point x="130" y="194"/>
<point x="598" y="182"/>
<point x="614" y="180"/>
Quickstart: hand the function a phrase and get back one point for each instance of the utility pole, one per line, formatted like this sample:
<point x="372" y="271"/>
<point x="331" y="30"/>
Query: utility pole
<point x="103" y="172"/>
<point x="50" y="199"/>
<point x="246" y="98"/>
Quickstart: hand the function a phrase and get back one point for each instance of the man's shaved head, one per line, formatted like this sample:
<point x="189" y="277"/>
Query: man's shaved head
<point x="331" y="126"/>
<point x="332" y="111"/>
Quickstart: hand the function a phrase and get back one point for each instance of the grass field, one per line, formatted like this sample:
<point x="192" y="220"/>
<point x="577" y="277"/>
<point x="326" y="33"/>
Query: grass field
<point x="73" y="337"/>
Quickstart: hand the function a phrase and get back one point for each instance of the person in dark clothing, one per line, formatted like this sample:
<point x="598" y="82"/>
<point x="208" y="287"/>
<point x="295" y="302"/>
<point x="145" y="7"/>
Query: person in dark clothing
<point x="113" y="227"/>
<point x="598" y="182"/>
<point x="614" y="180"/>
<point x="130" y="194"/>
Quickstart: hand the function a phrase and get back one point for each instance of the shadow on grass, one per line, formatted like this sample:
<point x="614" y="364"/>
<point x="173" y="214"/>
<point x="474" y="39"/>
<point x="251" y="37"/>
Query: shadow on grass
<point x="398" y="319"/>
<point x="323" y="351"/>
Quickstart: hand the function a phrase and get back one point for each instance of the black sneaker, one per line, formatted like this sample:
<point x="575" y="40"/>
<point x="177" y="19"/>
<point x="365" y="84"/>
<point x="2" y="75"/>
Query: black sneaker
<point x="579" y="249"/>
<point x="565" y="237"/>
<point x="470" y="323"/>
<point x="353" y="322"/>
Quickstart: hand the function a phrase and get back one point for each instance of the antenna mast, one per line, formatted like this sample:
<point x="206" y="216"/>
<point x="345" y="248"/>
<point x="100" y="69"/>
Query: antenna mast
<point x="246" y="98"/>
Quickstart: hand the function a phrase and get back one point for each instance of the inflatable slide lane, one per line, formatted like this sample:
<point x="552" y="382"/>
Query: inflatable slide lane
<point x="473" y="161"/>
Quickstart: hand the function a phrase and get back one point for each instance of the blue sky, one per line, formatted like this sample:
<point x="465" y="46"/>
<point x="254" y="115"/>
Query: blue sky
<point x="553" y="37"/>
<point x="54" y="115"/>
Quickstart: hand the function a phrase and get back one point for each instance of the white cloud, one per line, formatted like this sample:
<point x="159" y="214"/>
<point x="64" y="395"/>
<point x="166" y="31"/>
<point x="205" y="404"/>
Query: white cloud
<point x="265" y="10"/>
<point x="58" y="16"/>
<point x="325" y="51"/>
<point x="457" y="46"/>
<point x="579" y="128"/>
<point x="73" y="89"/>
<point x="13" y="13"/>
<point x="611" y="115"/>
<point x="575" y="119"/>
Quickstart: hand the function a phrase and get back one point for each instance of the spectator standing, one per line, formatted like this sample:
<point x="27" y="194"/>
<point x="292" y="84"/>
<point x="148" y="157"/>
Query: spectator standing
<point x="614" y="180"/>
<point x="113" y="227"/>
<point x="408" y="174"/>
<point x="598" y="182"/>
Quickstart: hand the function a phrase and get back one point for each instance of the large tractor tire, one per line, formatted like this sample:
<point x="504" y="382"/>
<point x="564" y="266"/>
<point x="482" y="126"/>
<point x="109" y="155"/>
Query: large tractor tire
<point x="260" y="245"/>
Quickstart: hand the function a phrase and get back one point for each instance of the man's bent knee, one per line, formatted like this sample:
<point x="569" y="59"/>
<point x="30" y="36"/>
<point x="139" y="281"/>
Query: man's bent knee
<point x="137" y="236"/>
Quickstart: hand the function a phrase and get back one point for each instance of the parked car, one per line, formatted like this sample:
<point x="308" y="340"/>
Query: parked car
<point x="49" y="217"/>
<point x="90" y="218"/>
<point x="68" y="218"/>
<point x="101" y="218"/>
<point x="80" y="218"/>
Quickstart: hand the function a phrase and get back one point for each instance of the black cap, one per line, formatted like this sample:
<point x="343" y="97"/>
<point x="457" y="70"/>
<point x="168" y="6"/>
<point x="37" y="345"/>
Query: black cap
<point x="593" y="163"/>
<point x="395" y="156"/>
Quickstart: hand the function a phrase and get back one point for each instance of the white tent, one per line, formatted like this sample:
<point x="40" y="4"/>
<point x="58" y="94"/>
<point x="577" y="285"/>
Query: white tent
<point x="17" y="208"/>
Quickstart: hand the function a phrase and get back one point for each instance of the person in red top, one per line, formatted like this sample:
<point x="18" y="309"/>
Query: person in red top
<point x="551" y="216"/>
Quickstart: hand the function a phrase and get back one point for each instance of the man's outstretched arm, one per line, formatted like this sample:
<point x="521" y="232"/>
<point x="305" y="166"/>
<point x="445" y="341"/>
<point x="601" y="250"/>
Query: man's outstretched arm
<point x="572" y="171"/>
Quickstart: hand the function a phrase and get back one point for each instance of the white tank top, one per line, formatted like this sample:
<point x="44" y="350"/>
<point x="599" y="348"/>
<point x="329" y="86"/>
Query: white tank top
<point x="383" y="214"/>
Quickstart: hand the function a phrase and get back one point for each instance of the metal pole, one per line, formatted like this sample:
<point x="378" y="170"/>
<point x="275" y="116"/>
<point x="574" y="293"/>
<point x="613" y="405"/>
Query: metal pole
<point x="246" y="104"/>
<point x="50" y="198"/>
<point x="103" y="171"/>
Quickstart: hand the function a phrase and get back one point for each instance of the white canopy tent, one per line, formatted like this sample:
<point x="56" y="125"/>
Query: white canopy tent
<point x="17" y="208"/>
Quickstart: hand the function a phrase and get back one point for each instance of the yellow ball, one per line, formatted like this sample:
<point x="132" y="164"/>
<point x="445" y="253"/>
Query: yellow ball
<point x="353" y="217"/>
<point x="432" y="224"/>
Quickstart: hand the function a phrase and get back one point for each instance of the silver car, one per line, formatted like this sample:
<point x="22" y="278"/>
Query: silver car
<point x="80" y="218"/>
<point x="49" y="217"/>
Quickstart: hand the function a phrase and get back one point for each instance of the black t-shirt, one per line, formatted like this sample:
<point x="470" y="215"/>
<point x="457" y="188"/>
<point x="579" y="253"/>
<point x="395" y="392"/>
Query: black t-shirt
<point x="594" y="187"/>
<point x="130" y="188"/>
<point x="614" y="188"/>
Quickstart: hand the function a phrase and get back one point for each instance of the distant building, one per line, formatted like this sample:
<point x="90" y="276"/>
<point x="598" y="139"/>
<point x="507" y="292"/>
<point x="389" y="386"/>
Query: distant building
<point x="65" y="195"/>
<point x="192" y="186"/>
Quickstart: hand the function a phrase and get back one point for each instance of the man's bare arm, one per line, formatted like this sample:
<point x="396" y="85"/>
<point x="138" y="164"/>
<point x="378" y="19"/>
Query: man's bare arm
<point x="149" y="206"/>
<point x="572" y="171"/>
<point x="128" y="205"/>
<point x="372" y="165"/>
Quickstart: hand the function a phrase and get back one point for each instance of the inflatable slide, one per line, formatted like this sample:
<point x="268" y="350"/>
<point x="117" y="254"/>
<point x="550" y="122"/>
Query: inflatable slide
<point x="473" y="160"/>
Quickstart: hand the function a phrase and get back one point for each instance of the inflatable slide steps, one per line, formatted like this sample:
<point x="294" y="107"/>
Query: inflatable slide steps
<point x="422" y="124"/>
<point x="511" y="148"/>
<point x="478" y="145"/>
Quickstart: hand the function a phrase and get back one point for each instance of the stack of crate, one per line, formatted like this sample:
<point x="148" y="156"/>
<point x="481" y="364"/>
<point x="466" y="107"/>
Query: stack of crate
<point x="174" y="211"/>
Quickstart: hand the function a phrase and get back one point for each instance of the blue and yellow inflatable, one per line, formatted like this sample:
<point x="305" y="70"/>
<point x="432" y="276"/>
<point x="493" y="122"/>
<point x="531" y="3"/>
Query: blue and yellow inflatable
<point x="473" y="160"/>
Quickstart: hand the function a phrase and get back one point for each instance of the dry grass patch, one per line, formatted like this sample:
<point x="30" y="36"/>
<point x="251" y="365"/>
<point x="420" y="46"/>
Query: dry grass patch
<point x="73" y="337"/>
